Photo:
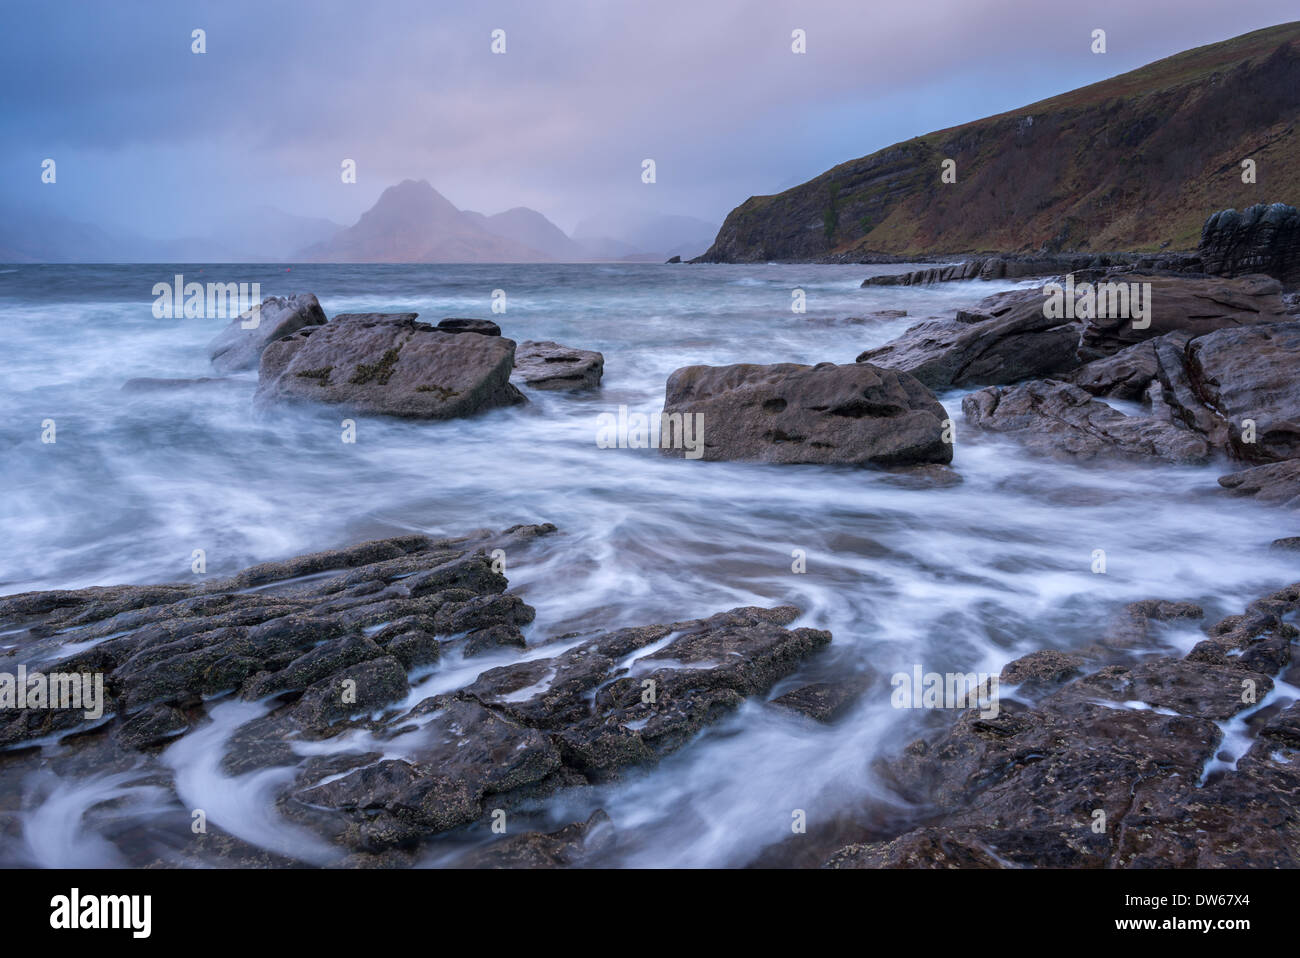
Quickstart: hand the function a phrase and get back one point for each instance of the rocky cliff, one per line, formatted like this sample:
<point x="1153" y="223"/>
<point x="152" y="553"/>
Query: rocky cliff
<point x="1136" y="162"/>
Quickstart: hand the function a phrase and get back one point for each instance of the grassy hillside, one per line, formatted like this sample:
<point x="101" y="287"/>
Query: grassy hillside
<point x="1135" y="162"/>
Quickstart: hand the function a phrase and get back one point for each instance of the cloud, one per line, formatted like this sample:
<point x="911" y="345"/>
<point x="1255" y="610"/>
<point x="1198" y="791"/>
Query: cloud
<point x="150" y="135"/>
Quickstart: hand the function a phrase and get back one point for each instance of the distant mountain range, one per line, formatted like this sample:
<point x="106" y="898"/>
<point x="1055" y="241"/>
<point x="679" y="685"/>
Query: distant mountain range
<point x="1136" y="162"/>
<point x="409" y="223"/>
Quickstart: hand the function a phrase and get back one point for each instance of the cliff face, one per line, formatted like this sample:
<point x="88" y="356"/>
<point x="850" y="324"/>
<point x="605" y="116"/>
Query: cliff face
<point x="1135" y="162"/>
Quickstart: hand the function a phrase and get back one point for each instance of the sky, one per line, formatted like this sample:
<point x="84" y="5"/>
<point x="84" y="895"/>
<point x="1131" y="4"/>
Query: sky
<point x="149" y="136"/>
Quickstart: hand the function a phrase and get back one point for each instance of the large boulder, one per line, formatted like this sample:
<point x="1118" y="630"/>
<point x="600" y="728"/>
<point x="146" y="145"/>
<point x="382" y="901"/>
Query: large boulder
<point x="389" y="364"/>
<point x="238" y="348"/>
<point x="1004" y="339"/>
<point x="1179" y="303"/>
<point x="547" y="365"/>
<point x="788" y="413"/>
<point x="1064" y="422"/>
<point x="1262" y="239"/>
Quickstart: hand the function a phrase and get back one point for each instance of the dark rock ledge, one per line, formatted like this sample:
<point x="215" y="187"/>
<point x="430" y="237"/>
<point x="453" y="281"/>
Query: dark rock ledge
<point x="297" y="635"/>
<point x="1139" y="740"/>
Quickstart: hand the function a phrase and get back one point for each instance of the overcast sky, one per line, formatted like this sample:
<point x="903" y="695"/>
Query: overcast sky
<point x="151" y="136"/>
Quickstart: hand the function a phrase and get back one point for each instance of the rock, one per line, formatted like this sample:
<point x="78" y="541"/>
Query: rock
<point x="880" y="315"/>
<point x="1004" y="339"/>
<point x="1277" y="483"/>
<point x="146" y="384"/>
<point x="1264" y="238"/>
<point x="389" y="364"/>
<point x="1193" y="305"/>
<point x="1062" y="421"/>
<point x="823" y="701"/>
<point x="568" y="847"/>
<point x="1249" y="373"/>
<point x="1286" y="544"/>
<point x="237" y="348"/>
<point x="1127" y="374"/>
<point x="324" y="643"/>
<point x="1041" y="671"/>
<point x="547" y="365"/>
<point x="788" y="413"/>
<point x="922" y="848"/>
<point x="674" y="259"/>
<point x="1116" y="768"/>
<point x="484" y="327"/>
<point x="997" y="267"/>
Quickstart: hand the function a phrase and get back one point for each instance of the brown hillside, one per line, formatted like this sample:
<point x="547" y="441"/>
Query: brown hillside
<point x="1135" y="162"/>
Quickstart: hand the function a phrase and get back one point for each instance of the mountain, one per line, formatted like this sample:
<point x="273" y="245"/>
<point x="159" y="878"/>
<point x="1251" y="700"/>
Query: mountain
<point x="414" y="223"/>
<point x="37" y="236"/>
<point x="1135" y="162"/>
<point x="266" y="232"/>
<point x="531" y="229"/>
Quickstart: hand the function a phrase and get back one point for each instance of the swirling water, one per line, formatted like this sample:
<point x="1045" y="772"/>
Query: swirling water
<point x="960" y="578"/>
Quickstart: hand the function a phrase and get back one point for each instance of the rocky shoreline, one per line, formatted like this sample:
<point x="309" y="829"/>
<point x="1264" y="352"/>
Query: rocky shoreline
<point x="389" y="694"/>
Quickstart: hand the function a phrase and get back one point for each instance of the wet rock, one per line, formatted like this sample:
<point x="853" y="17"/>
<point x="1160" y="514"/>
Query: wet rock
<point x="998" y="267"/>
<point x="389" y="364"/>
<point x="484" y="327"/>
<point x="568" y="847"/>
<point x="324" y="644"/>
<point x="1129" y="373"/>
<point x="238" y="348"/>
<point x="1249" y="375"/>
<point x="787" y="413"/>
<point x="1264" y="238"/>
<point x="303" y="623"/>
<point x="547" y="365"/>
<point x="1041" y="671"/>
<point x="1277" y="483"/>
<point x="147" y="385"/>
<point x="1064" y="422"/>
<point x="923" y="848"/>
<point x="1124" y="767"/>
<point x="823" y="701"/>
<point x="1287" y="544"/>
<point x="1188" y="304"/>
<point x="1004" y="339"/>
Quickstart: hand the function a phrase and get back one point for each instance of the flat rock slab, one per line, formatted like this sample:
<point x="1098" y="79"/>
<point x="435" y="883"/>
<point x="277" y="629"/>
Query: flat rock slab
<point x="787" y="413"/>
<point x="390" y="364"/>
<point x="238" y="348"/>
<point x="1003" y="339"/>
<point x="547" y="365"/>
<point x="1195" y="306"/>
